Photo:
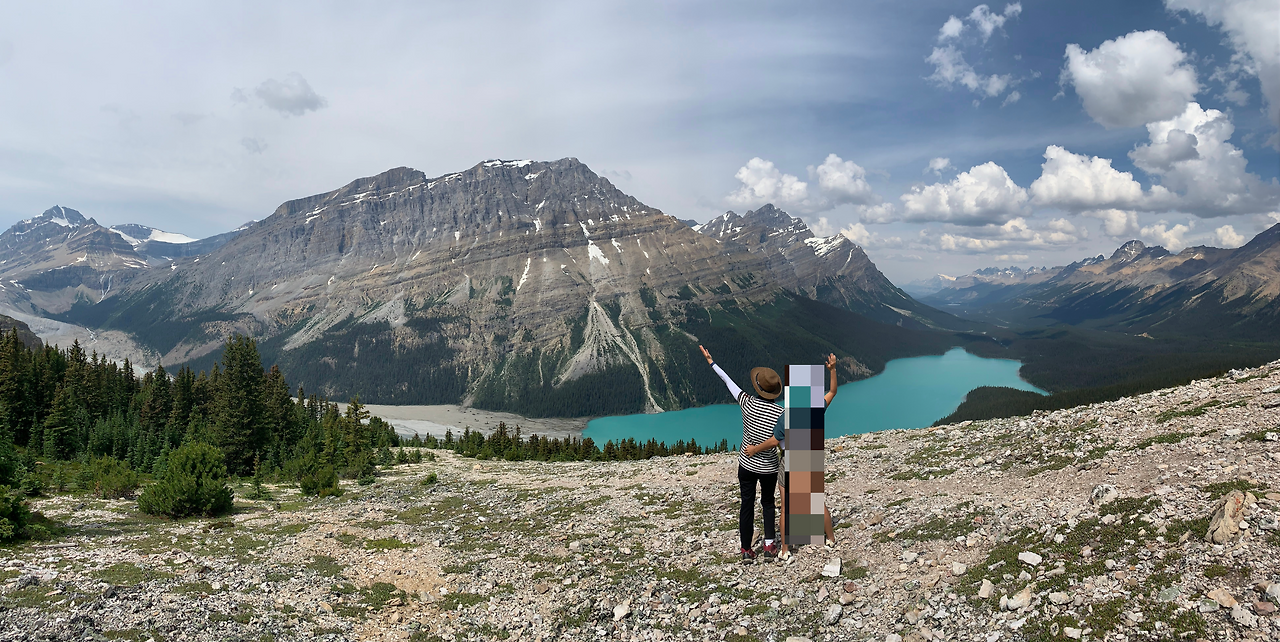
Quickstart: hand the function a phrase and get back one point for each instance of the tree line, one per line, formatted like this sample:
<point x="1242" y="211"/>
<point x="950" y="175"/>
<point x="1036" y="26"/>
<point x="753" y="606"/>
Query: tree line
<point x="514" y="446"/>
<point x="61" y="405"/>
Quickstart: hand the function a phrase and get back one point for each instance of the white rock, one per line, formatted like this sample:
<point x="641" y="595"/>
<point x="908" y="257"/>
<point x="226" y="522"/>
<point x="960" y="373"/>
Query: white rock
<point x="1021" y="600"/>
<point x="1059" y="598"/>
<point x="832" y="569"/>
<point x="1244" y="616"/>
<point x="1029" y="558"/>
<point x="958" y="569"/>
<point x="1071" y="632"/>
<point x="909" y="556"/>
<point x="987" y="589"/>
<point x="1103" y="494"/>
<point x="622" y="610"/>
<point x="832" y="614"/>
<point x="893" y="637"/>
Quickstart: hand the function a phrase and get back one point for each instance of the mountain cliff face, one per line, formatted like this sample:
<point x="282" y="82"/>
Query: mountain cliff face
<point x="1230" y="293"/>
<point x="533" y="286"/>
<point x="833" y="270"/>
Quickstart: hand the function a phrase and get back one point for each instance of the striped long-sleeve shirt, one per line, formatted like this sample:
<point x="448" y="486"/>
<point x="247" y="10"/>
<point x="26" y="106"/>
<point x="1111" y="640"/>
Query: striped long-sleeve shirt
<point x="758" y="419"/>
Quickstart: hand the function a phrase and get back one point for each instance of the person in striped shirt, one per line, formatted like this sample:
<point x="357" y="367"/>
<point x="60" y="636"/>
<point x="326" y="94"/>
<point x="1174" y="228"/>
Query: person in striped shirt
<point x="759" y="414"/>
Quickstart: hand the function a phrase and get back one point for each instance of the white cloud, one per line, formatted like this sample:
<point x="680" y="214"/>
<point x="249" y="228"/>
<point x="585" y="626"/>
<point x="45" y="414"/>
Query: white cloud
<point x="1117" y="223"/>
<point x="1253" y="27"/>
<point x="938" y="166"/>
<point x="878" y="213"/>
<point x="762" y="183"/>
<point x="1016" y="233"/>
<point x="821" y="226"/>
<point x="858" y="233"/>
<point x="983" y="195"/>
<point x="950" y="69"/>
<point x="987" y="22"/>
<point x="292" y="96"/>
<point x="1132" y="80"/>
<point x="1075" y="183"/>
<point x="1170" y="237"/>
<point x="1013" y="97"/>
<point x="1198" y="170"/>
<point x="952" y="28"/>
<point x="1226" y="236"/>
<point x="838" y="182"/>
<point x="843" y="181"/>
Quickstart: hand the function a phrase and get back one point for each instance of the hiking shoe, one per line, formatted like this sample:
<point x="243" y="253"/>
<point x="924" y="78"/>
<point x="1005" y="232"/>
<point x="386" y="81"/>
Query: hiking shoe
<point x="769" y="550"/>
<point x="748" y="555"/>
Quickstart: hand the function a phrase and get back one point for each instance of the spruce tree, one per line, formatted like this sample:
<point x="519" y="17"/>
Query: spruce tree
<point x="238" y="414"/>
<point x="59" y="426"/>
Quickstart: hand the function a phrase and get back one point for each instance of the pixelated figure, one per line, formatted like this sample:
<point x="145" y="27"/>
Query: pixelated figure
<point x="803" y="460"/>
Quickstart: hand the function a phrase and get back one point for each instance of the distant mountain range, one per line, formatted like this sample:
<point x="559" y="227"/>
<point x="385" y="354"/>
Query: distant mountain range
<point x="540" y="288"/>
<point x="537" y="287"/>
<point x="1138" y="289"/>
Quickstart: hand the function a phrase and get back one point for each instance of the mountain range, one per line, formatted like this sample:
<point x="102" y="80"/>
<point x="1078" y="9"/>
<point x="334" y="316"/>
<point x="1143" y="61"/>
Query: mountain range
<point x="1227" y="293"/>
<point x="537" y="287"/>
<point x="540" y="288"/>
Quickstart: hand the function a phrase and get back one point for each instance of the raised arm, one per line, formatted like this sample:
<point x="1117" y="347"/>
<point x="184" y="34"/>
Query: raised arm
<point x="831" y="367"/>
<point x="733" y="387"/>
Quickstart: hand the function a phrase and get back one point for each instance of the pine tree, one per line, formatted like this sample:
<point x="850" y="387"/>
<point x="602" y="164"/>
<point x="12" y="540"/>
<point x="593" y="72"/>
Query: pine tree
<point x="238" y="413"/>
<point x="59" y="426"/>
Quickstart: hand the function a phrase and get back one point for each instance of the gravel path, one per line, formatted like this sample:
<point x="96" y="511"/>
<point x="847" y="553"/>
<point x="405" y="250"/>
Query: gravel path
<point x="1086" y="523"/>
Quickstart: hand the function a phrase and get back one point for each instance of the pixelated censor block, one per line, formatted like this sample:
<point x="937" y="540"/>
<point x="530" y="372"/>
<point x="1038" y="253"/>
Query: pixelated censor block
<point x="803" y="459"/>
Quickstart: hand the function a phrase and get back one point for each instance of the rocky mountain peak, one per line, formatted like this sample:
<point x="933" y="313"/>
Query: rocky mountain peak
<point x="59" y="216"/>
<point x="1129" y="251"/>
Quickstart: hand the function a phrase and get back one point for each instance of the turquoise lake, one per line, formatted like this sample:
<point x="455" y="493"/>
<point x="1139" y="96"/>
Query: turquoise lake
<point x="910" y="393"/>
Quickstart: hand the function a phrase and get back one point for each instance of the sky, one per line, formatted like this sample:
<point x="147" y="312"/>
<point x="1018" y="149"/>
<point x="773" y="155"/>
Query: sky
<point x="943" y="137"/>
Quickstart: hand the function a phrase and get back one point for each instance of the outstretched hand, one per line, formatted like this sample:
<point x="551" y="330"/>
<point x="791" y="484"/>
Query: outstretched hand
<point x="831" y="361"/>
<point x="707" y="355"/>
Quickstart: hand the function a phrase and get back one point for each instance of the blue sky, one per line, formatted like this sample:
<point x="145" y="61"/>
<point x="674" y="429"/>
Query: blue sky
<point x="196" y="118"/>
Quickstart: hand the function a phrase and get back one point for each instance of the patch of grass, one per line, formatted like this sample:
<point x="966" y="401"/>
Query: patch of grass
<point x="1219" y="490"/>
<point x="873" y="447"/>
<point x="937" y="527"/>
<point x="1167" y="438"/>
<point x="325" y="566"/>
<point x="454" y="601"/>
<point x="386" y="544"/>
<point x="460" y="569"/>
<point x="347" y="538"/>
<point x="379" y="593"/>
<point x="854" y="571"/>
<point x="1199" y="410"/>
<point x="126" y="574"/>
<point x="195" y="587"/>
<point x="898" y="502"/>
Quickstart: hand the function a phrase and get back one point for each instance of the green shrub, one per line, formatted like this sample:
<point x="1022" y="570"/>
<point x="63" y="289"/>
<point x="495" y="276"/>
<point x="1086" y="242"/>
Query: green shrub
<point x="321" y="482"/>
<point x="194" y="483"/>
<point x="13" y="515"/>
<point x="112" y="478"/>
<point x="430" y="479"/>
<point x="32" y="484"/>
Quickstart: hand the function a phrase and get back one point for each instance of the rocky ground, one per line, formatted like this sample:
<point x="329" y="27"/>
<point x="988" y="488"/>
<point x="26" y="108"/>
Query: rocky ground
<point x="1086" y="524"/>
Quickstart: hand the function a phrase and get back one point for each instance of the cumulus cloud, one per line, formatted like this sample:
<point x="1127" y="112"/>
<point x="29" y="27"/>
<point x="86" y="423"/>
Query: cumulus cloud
<point x="1226" y="236"/>
<point x="843" y="181"/>
<point x="938" y="166"/>
<point x="951" y="29"/>
<point x="292" y="96"/>
<point x="1253" y="28"/>
<point x="951" y="69"/>
<point x="1013" y="97"/>
<point x="1075" y="183"/>
<point x="859" y="234"/>
<point x="762" y="182"/>
<point x="1198" y="170"/>
<point x="1121" y="224"/>
<point x="838" y="182"/>
<point x="254" y="145"/>
<point x="1170" y="237"/>
<point x="1132" y="80"/>
<point x="878" y="213"/>
<point x="987" y="22"/>
<point x="983" y="195"/>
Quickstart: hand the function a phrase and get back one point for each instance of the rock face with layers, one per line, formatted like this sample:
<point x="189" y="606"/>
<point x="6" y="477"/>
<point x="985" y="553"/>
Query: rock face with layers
<point x="501" y="283"/>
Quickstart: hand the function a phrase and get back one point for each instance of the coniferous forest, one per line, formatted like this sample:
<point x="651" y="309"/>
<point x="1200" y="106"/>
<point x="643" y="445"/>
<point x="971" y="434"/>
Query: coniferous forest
<point x="71" y="419"/>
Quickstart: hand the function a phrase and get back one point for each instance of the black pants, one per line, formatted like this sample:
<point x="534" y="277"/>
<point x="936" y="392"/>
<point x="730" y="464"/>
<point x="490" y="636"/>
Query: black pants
<point x="747" y="481"/>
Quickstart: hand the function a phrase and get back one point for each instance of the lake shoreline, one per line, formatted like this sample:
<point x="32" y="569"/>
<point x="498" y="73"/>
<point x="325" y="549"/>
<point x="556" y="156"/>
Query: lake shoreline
<point x="437" y="419"/>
